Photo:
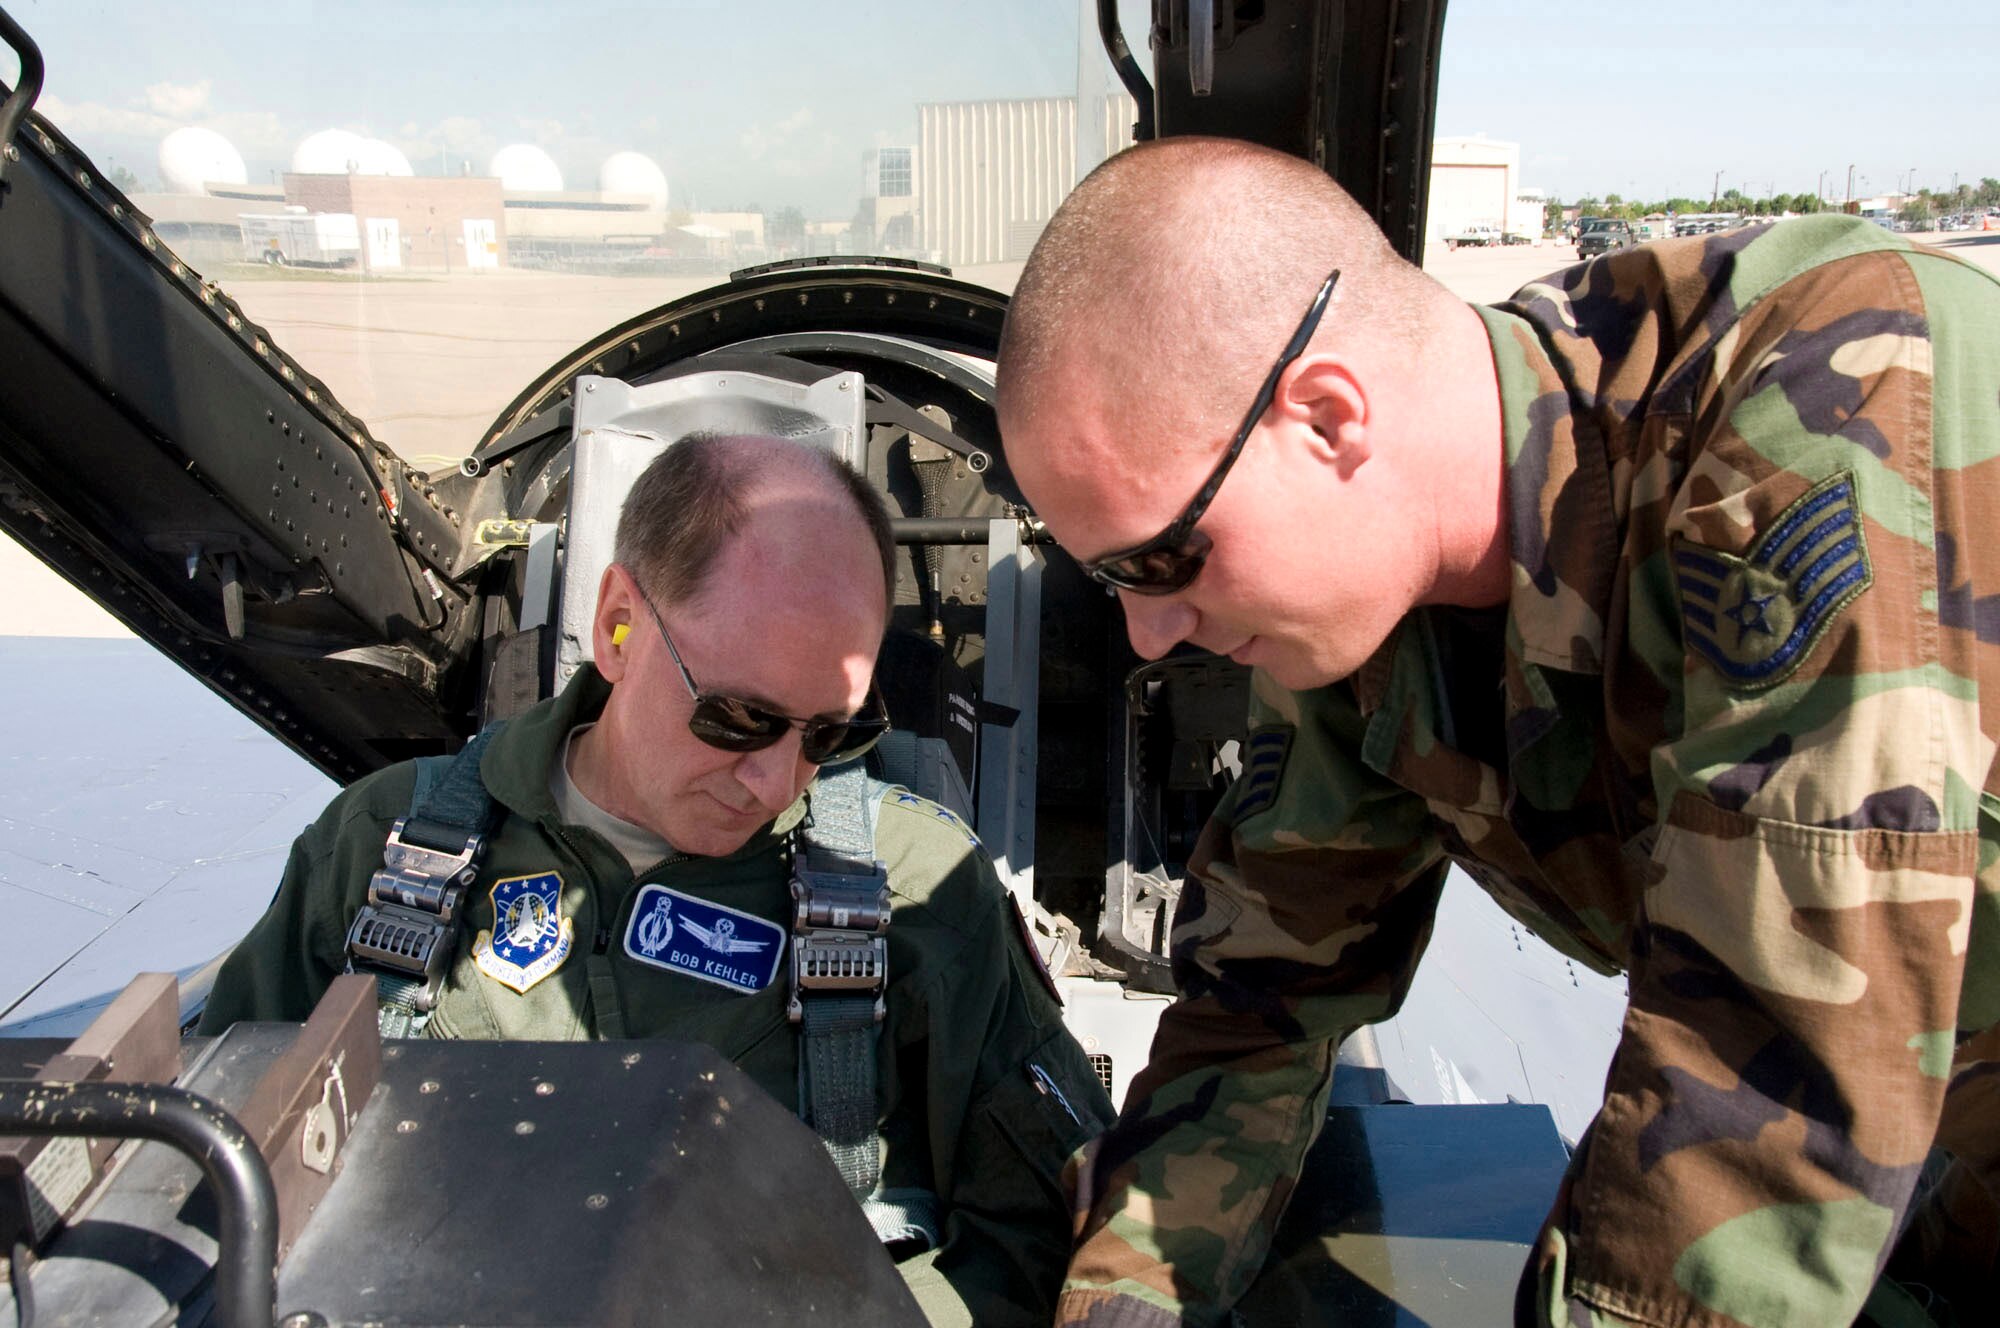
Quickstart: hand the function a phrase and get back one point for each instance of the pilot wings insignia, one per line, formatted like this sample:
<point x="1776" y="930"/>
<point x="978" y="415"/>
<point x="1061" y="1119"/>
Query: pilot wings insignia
<point x="1757" y="617"/>
<point x="722" y="937"/>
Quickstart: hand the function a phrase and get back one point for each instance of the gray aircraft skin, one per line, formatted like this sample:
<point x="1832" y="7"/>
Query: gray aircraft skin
<point x="289" y="577"/>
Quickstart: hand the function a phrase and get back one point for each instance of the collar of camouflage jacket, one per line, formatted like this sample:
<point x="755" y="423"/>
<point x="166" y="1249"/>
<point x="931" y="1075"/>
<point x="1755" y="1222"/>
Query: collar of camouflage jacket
<point x="1559" y="477"/>
<point x="515" y="768"/>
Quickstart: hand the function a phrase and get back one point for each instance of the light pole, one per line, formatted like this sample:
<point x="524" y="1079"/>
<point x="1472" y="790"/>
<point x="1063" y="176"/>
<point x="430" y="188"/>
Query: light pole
<point x="1715" y="191"/>
<point x="1850" y="183"/>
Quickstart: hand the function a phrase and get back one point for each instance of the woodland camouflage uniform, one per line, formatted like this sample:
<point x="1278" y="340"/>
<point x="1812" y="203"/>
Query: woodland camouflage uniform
<point x="1741" y="747"/>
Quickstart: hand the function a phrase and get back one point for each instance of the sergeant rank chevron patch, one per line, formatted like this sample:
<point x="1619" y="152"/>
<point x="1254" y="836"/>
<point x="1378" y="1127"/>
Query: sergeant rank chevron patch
<point x="1757" y="617"/>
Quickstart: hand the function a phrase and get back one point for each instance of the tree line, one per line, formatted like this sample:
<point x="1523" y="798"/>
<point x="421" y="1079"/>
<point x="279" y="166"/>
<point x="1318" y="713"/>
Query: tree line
<point x="1925" y="206"/>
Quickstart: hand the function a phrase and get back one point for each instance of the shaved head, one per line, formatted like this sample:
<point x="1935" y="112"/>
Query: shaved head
<point x="1161" y="294"/>
<point x="1187" y="262"/>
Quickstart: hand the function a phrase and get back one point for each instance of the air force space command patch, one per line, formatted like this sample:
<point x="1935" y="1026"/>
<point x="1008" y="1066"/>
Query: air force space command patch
<point x="531" y="937"/>
<point x="1757" y="617"/>
<point x="698" y="939"/>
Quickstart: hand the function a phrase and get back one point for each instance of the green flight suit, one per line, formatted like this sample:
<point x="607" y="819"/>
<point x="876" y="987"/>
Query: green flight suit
<point x="970" y="1018"/>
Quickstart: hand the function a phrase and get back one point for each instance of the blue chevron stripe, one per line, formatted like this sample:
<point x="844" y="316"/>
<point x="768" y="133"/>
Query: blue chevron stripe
<point x="1691" y="561"/>
<point x="1844" y="517"/>
<point x="1826" y="562"/>
<point x="1842" y="492"/>
<point x="1699" y="617"/>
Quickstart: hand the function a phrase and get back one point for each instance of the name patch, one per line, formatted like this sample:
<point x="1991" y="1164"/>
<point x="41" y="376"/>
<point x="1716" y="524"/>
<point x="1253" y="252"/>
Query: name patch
<point x="697" y="939"/>
<point x="531" y="937"/>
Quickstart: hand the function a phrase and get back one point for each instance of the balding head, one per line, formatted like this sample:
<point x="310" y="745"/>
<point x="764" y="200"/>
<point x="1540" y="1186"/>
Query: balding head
<point x="1186" y="263"/>
<point x="707" y="491"/>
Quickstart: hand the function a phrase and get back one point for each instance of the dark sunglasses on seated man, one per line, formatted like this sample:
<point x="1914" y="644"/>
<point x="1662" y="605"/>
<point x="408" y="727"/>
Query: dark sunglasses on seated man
<point x="1173" y="558"/>
<point x="731" y="724"/>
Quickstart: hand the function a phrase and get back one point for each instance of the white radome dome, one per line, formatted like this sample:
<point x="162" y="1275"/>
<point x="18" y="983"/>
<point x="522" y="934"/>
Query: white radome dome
<point x="190" y="157"/>
<point x="525" y="167"/>
<point x="380" y="158"/>
<point x="633" y="173"/>
<point x="329" y="152"/>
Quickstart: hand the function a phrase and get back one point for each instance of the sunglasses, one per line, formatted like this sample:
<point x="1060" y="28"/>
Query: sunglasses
<point x="731" y="724"/>
<point x="1174" y="557"/>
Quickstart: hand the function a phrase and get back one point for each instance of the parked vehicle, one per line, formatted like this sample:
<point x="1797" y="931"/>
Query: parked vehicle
<point x="1479" y="234"/>
<point x="1602" y="235"/>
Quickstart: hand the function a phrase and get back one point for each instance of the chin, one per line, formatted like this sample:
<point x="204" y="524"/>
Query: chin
<point x="1303" y="675"/>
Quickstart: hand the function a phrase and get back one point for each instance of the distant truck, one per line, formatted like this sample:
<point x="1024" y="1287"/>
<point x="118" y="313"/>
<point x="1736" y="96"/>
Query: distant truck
<point x="302" y="239"/>
<point x="1479" y="234"/>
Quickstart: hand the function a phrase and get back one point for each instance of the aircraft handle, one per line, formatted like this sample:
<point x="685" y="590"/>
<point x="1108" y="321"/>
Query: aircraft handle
<point x="23" y="95"/>
<point x="246" y="1261"/>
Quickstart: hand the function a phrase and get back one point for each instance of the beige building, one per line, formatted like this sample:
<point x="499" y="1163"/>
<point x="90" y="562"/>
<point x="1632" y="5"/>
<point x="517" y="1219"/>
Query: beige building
<point x="990" y="173"/>
<point x="1476" y="181"/>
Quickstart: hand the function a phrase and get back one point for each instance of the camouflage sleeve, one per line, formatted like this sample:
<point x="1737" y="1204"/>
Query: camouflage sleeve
<point x="1310" y="901"/>
<point x="1796" y="994"/>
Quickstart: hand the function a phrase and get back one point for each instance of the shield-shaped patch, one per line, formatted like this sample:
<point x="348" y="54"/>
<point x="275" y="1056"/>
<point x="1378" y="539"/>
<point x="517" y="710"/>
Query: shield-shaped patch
<point x="531" y="937"/>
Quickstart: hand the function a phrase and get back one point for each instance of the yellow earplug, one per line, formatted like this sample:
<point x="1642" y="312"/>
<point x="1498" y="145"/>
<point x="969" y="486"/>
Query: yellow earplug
<point x="619" y="633"/>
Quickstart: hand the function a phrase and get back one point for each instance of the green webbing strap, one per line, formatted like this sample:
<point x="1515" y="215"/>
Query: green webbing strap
<point x="904" y="1215"/>
<point x="449" y="806"/>
<point x="837" y="1061"/>
<point x="838" y="1029"/>
<point x="840" y="834"/>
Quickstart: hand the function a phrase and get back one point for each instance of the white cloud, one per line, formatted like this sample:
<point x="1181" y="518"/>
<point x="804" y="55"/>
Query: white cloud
<point x="178" y="101"/>
<point x="103" y="130"/>
<point x="789" y="147"/>
<point x="457" y="137"/>
<point x="85" y="120"/>
<point x="255" y="133"/>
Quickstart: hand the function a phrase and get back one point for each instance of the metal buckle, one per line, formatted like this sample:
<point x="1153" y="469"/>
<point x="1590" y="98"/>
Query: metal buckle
<point x="839" y="901"/>
<point x="423" y="878"/>
<point x="838" y="921"/>
<point x="413" y="901"/>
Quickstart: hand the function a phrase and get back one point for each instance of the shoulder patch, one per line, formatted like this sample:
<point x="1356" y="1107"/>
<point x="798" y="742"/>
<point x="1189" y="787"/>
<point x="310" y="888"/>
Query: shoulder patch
<point x="531" y="937"/>
<point x="1026" y="935"/>
<point x="1757" y="617"/>
<point x="1263" y="770"/>
<point x="697" y="939"/>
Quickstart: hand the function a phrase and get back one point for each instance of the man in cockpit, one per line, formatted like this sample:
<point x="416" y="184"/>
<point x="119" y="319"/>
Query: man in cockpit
<point x="635" y="879"/>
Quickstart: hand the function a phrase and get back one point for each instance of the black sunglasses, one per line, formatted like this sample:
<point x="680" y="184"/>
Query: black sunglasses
<point x="731" y="724"/>
<point x="1173" y="558"/>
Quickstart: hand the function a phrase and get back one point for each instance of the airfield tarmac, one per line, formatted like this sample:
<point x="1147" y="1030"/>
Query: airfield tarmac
<point x="429" y="362"/>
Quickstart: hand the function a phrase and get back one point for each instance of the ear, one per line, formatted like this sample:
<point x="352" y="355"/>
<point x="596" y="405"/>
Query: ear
<point x="610" y="627"/>
<point x="1324" y="393"/>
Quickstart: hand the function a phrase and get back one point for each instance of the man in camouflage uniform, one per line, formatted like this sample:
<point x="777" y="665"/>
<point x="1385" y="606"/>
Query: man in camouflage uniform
<point x="1661" y="597"/>
<point x="771" y="565"/>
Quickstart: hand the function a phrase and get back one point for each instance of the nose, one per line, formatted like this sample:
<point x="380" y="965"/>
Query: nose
<point x="1157" y="623"/>
<point x="777" y="774"/>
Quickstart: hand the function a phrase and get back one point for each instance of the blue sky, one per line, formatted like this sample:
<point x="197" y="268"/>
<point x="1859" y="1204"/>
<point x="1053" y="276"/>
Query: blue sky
<point x="773" y="101"/>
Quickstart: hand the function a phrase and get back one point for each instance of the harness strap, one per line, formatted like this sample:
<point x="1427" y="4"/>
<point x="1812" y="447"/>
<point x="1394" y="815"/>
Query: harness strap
<point x="840" y="963"/>
<point x="404" y="934"/>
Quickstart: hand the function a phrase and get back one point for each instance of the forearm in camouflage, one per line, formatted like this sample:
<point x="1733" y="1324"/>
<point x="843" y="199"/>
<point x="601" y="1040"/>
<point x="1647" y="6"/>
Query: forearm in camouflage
<point x="1181" y="1197"/>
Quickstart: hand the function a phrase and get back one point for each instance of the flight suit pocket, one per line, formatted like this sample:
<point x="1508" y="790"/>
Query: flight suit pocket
<point x="1048" y="1107"/>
